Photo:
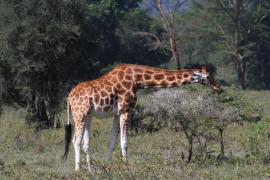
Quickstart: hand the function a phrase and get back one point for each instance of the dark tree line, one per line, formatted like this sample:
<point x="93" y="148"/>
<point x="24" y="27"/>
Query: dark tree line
<point x="48" y="46"/>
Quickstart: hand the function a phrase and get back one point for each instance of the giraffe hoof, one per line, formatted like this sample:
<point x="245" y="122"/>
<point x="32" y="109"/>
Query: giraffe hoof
<point x="90" y="170"/>
<point x="125" y="159"/>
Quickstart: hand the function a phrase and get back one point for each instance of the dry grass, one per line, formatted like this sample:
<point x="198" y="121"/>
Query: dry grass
<point x="26" y="154"/>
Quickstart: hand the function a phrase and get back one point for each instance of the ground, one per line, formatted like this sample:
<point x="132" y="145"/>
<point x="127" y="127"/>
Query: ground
<point x="26" y="154"/>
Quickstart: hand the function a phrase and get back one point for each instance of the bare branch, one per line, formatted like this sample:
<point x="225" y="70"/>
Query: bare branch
<point x="152" y="36"/>
<point x="222" y="5"/>
<point x="163" y="16"/>
<point x="177" y="5"/>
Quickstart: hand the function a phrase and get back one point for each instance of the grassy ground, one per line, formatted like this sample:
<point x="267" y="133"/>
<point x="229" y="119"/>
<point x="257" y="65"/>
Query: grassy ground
<point x="25" y="154"/>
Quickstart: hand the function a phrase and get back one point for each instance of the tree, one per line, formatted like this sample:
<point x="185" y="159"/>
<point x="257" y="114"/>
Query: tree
<point x="169" y="41"/>
<point x="49" y="46"/>
<point x="235" y="22"/>
<point x="38" y="36"/>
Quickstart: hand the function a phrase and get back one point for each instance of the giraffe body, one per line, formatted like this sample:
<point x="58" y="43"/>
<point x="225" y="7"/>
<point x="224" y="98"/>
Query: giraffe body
<point x="115" y="94"/>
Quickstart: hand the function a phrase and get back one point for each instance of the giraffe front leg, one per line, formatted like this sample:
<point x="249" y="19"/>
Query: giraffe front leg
<point x="86" y="137"/>
<point x="113" y="137"/>
<point x="77" y="139"/>
<point x="123" y="134"/>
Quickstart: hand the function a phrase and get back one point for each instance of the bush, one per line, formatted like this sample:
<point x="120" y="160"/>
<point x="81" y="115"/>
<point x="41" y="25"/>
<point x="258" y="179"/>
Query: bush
<point x="201" y="115"/>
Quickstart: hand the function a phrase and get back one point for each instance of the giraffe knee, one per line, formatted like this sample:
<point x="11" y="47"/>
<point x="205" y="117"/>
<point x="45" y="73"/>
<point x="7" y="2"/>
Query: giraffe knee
<point x="74" y="140"/>
<point x="85" y="147"/>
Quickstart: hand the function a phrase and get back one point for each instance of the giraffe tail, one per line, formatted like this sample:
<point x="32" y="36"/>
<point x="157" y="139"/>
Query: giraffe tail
<point x="68" y="134"/>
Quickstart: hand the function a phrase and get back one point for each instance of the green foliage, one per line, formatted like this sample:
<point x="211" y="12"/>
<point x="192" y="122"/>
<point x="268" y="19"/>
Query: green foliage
<point x="47" y="47"/>
<point x="208" y="32"/>
<point x="253" y="137"/>
<point x="249" y="109"/>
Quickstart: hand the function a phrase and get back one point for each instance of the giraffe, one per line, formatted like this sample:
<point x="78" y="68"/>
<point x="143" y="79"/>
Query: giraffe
<point x="115" y="94"/>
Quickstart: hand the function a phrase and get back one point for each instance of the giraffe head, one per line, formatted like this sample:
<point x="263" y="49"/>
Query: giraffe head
<point x="204" y="77"/>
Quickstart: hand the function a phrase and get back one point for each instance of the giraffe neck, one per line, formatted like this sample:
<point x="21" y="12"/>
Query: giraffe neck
<point x="166" y="78"/>
<point x="145" y="76"/>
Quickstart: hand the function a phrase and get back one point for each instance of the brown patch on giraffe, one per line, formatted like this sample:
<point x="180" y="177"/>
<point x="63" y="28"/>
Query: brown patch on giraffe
<point x="119" y="86"/>
<point x="169" y="74"/>
<point x="112" y="101"/>
<point x="111" y="96"/>
<point x="126" y="84"/>
<point x="138" y="70"/>
<point x="138" y="77"/>
<point x="121" y="91"/>
<point x="81" y="100"/>
<point x="106" y="100"/>
<point x="129" y="71"/>
<point x="184" y="82"/>
<point x="164" y="83"/>
<point x="93" y="83"/>
<point x="82" y="111"/>
<point x="128" y="77"/>
<point x="179" y="77"/>
<point x="103" y="93"/>
<point x="170" y="78"/>
<point x="185" y="75"/>
<point x="107" y="81"/>
<point x="101" y="102"/>
<point x="128" y="94"/>
<point x="82" y="93"/>
<point x="98" y="88"/>
<point x="151" y="82"/>
<point x="101" y="85"/>
<point x="158" y="77"/>
<point x="174" y="84"/>
<point x="82" y="85"/>
<point x="149" y="72"/>
<point x="123" y="68"/>
<point x="96" y="98"/>
<point x="114" y="72"/>
<point x="114" y="80"/>
<point x="147" y="77"/>
<point x="89" y="91"/>
<point x="108" y="89"/>
<point x="120" y="75"/>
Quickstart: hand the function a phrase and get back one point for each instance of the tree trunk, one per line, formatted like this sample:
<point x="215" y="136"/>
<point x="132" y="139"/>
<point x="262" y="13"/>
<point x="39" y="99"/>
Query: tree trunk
<point x="221" y="143"/>
<point x="190" y="149"/>
<point x="241" y="73"/>
<point x="175" y="53"/>
<point x="38" y="111"/>
<point x="169" y="28"/>
<point x="42" y="117"/>
<point x="239" y="60"/>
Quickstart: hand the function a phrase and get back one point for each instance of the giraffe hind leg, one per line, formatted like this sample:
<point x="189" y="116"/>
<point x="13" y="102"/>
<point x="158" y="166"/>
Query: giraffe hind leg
<point x="113" y="137"/>
<point x="77" y="139"/>
<point x="86" y="138"/>
<point x="123" y="134"/>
